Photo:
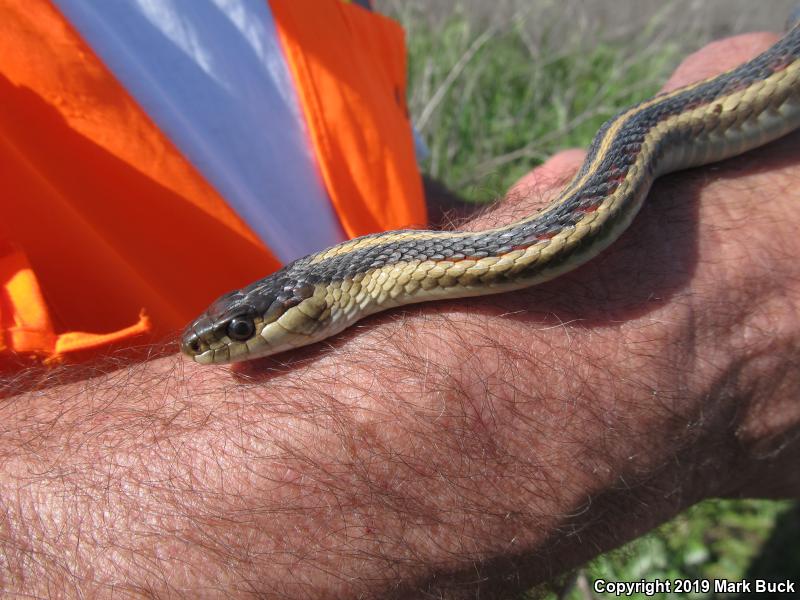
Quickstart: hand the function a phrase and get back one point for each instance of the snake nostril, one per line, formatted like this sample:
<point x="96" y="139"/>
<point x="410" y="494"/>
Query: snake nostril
<point x="191" y="345"/>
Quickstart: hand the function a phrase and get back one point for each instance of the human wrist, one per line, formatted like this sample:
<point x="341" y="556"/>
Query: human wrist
<point x="701" y="293"/>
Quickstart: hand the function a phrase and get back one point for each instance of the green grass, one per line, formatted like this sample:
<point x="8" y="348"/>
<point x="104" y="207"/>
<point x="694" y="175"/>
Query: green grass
<point x="716" y="539"/>
<point x="494" y="101"/>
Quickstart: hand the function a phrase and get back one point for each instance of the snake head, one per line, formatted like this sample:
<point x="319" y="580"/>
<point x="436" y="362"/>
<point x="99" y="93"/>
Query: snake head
<point x="228" y="324"/>
<point x="236" y="325"/>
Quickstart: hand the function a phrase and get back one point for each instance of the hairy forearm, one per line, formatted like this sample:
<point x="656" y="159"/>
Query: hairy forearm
<point x="197" y="482"/>
<point x="516" y="434"/>
<point x="489" y="442"/>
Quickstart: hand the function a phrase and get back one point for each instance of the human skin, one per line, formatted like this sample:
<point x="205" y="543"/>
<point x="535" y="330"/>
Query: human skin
<point x="449" y="449"/>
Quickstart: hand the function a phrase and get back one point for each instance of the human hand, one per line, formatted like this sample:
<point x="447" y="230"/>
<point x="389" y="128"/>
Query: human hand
<point x="489" y="443"/>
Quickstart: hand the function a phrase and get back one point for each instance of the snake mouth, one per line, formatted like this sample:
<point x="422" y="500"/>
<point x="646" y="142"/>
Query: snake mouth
<point x="193" y="346"/>
<point x="204" y="351"/>
<point x="205" y="358"/>
<point x="200" y="343"/>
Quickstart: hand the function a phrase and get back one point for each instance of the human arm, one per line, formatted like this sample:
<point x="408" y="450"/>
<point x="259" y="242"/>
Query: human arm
<point x="490" y="442"/>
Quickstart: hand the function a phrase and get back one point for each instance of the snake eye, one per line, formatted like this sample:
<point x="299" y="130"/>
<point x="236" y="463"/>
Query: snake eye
<point x="241" y="329"/>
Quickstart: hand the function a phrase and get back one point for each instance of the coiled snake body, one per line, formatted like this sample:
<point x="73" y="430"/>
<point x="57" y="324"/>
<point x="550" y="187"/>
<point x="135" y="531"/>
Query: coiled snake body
<point x="319" y="295"/>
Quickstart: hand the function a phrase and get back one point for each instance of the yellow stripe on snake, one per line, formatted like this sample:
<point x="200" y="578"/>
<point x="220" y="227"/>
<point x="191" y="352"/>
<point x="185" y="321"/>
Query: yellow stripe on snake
<point x="319" y="295"/>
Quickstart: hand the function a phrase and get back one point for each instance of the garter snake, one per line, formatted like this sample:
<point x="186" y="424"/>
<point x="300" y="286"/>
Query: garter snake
<point x="319" y="295"/>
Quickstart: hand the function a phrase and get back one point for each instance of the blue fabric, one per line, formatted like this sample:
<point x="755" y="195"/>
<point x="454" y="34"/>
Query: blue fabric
<point x="211" y="75"/>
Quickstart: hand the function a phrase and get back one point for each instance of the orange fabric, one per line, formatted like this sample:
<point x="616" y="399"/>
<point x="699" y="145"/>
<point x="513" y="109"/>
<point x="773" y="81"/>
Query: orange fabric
<point x="24" y="323"/>
<point x="108" y="236"/>
<point x="349" y="65"/>
<point x="106" y="232"/>
<point x="29" y="329"/>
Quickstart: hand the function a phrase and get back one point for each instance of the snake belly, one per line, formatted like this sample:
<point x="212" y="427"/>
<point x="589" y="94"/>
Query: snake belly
<point x="319" y="295"/>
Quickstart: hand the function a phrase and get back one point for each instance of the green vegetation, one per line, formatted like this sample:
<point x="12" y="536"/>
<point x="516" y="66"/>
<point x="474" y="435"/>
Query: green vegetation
<point x="494" y="101"/>
<point x="717" y="539"/>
